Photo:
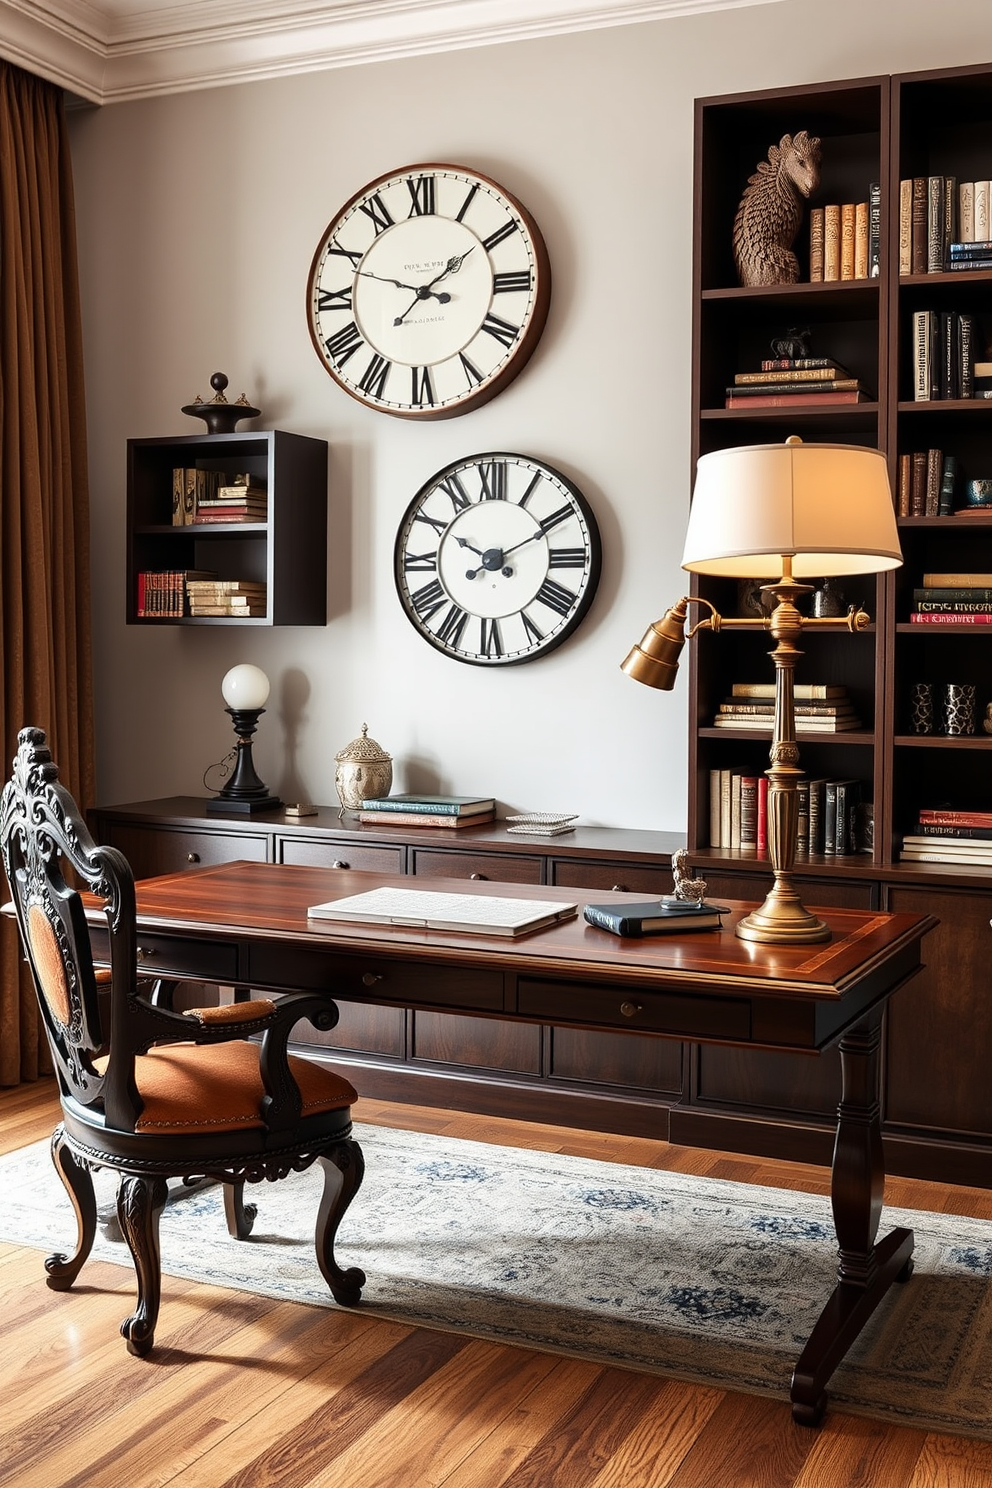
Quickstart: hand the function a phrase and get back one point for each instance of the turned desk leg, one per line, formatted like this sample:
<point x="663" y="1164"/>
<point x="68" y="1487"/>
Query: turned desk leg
<point x="866" y="1269"/>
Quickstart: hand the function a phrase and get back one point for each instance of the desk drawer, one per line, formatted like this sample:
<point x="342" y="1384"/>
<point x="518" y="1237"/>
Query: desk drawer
<point x="206" y="960"/>
<point x="372" y="979"/>
<point x="498" y="867"/>
<point x="322" y="853"/>
<point x="631" y="878"/>
<point x="670" y="1013"/>
<point x="154" y="850"/>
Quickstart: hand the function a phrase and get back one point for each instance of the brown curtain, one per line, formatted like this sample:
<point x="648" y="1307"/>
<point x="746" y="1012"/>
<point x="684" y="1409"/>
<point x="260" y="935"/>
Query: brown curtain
<point x="44" y="500"/>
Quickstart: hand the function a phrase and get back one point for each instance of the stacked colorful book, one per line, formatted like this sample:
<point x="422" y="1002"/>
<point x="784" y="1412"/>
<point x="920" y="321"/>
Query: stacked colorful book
<point x="820" y="708"/>
<point x="833" y="816"/>
<point x="953" y="599"/>
<point x="788" y="382"/>
<point x="415" y="810"/>
<point x="243" y="500"/>
<point x="950" y="836"/>
<point x="244" y="599"/>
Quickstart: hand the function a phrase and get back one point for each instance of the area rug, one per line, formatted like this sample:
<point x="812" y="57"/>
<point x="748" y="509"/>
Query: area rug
<point x="714" y="1282"/>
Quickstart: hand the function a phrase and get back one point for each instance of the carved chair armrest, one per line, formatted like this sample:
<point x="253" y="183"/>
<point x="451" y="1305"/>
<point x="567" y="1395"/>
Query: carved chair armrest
<point x="282" y="1104"/>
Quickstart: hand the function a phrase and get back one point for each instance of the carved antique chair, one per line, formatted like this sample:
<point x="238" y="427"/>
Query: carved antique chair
<point x="148" y="1092"/>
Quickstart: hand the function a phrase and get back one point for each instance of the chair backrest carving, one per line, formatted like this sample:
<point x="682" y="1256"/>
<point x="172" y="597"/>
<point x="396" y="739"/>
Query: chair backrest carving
<point x="41" y="833"/>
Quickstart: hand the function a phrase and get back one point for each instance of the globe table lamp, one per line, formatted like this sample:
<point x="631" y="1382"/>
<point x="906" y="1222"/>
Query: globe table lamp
<point x="245" y="689"/>
<point x="784" y="513"/>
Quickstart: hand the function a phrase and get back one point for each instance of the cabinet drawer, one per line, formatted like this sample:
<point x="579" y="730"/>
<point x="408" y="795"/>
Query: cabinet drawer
<point x="370" y="978"/>
<point x="154" y="850"/>
<point x="497" y="867"/>
<point x="653" y="1012"/>
<point x="639" y="878"/>
<point x="327" y="854"/>
<point x="205" y="960"/>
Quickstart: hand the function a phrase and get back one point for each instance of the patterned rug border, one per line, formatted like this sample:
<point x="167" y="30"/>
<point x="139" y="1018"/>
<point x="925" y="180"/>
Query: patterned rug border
<point x="704" y="1280"/>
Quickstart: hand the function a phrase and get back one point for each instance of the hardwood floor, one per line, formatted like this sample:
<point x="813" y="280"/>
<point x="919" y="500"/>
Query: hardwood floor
<point x="244" y="1392"/>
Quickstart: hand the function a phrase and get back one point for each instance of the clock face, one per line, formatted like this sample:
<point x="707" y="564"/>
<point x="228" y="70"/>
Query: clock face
<point x="497" y="559"/>
<point x="428" y="292"/>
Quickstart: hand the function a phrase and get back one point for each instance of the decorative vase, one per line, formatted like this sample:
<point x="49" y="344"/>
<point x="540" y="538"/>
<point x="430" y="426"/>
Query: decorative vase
<point x="364" y="770"/>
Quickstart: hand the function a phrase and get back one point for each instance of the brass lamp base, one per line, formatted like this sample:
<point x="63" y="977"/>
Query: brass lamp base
<point x="782" y="920"/>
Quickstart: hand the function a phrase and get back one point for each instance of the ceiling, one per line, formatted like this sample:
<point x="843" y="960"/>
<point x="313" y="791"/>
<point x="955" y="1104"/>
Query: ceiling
<point x="105" y="51"/>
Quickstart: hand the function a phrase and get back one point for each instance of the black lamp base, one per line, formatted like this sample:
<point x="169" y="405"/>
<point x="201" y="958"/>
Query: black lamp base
<point x="225" y="806"/>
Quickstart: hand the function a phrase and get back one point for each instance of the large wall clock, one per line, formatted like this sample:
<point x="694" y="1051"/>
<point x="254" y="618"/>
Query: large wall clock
<point x="428" y="292"/>
<point x="497" y="559"/>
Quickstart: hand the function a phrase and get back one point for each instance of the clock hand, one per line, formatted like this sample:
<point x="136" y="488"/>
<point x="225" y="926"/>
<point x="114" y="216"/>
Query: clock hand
<point x="532" y="538"/>
<point x="427" y="291"/>
<point x="463" y="542"/>
<point x="383" y="279"/>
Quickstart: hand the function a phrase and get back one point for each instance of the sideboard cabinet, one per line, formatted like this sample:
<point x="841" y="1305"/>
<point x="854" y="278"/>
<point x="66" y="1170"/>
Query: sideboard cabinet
<point x="937" y="1117"/>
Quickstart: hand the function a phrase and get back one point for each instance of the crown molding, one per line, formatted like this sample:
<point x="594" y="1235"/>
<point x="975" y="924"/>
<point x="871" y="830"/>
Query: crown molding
<point x="126" y="49"/>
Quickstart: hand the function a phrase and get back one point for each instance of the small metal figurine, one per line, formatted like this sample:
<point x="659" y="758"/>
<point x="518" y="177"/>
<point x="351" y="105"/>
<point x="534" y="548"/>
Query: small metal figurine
<point x="687" y="890"/>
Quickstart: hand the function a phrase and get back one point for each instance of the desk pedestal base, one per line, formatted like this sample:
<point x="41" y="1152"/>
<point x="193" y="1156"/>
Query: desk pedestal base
<point x="866" y="1270"/>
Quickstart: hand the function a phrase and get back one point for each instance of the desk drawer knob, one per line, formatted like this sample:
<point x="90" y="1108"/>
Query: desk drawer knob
<point x="145" y="953"/>
<point x="369" y="978"/>
<point x="192" y="857"/>
<point x="340" y="863"/>
<point x="479" y="875"/>
<point x="619" y="888"/>
<point x="631" y="1009"/>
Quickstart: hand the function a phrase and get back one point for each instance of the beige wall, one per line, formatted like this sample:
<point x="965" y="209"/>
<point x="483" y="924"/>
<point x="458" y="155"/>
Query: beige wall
<point x="198" y="216"/>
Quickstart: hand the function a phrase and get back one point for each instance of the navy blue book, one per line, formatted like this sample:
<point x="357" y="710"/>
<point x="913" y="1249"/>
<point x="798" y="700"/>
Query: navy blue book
<point x="653" y="918"/>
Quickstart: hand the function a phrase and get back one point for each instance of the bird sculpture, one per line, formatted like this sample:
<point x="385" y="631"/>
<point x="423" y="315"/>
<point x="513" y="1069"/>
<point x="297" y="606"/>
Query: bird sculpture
<point x="690" y="890"/>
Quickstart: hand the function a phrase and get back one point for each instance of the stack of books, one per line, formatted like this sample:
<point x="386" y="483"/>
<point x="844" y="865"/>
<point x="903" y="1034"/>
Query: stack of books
<point x="834" y="818"/>
<point x="928" y="484"/>
<point x="790" y="381"/>
<point x="929" y="216"/>
<point x="242" y="500"/>
<point x="415" y="810"/>
<point x="844" y="240"/>
<point x="970" y="255"/>
<point x="162" y="592"/>
<point x="946" y="836"/>
<point x="953" y="599"/>
<point x="244" y="599"/>
<point x="943" y="356"/>
<point x="821" y="708"/>
<point x="190" y="486"/>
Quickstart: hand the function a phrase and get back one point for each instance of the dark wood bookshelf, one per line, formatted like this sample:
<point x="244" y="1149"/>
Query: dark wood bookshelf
<point x="879" y="129"/>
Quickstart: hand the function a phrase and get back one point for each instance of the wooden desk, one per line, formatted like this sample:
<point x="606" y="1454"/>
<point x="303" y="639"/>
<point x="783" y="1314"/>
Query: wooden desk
<point x="245" y="924"/>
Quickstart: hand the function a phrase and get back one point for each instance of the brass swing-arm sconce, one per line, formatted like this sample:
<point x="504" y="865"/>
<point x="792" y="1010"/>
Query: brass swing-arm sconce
<point x="757" y="512"/>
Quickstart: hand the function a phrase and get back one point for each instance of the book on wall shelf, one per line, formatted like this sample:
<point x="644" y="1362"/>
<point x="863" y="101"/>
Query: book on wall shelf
<point x="844" y="239"/>
<point x="813" y="714"/>
<point x="162" y="593"/>
<point x="946" y="835"/>
<point x="834" y="816"/>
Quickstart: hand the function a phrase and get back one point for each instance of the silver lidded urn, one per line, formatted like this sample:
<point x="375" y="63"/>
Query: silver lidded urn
<point x="364" y="770"/>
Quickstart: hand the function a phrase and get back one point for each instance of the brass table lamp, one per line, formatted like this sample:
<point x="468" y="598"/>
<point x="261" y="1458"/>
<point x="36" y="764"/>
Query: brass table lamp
<point x="784" y="513"/>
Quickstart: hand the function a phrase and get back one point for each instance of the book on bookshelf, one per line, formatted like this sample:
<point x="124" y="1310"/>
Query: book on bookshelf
<point x="874" y="230"/>
<point x="787" y="364"/>
<point x="749" y="813"/>
<point x="792" y="400"/>
<point x="918" y="226"/>
<point x="847" y="247"/>
<point x="652" y="918"/>
<point x="927" y="831"/>
<point x="949" y="816"/>
<point x="944" y="855"/>
<point x="765" y="708"/>
<point x="817" y="789"/>
<point x="952" y="606"/>
<point x="983" y="220"/>
<point x="905" y="227"/>
<point x="966" y="212"/>
<point x="235" y="516"/>
<point x="807" y="691"/>
<point x="775" y="376"/>
<point x="434" y="805"/>
<point x="831" y="242"/>
<point x="816" y="245"/>
<point x="962" y="594"/>
<point x="951" y="617"/>
<point x="802" y="815"/>
<point x="766" y="382"/>
<point x="836" y="725"/>
<point x="761" y="844"/>
<point x="957" y="580"/>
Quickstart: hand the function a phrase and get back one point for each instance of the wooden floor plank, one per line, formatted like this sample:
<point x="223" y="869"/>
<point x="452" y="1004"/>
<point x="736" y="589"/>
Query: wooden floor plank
<point x="252" y="1393"/>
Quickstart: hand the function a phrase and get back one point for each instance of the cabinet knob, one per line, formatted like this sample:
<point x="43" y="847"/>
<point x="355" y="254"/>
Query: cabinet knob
<point x="145" y="953"/>
<point x="369" y="978"/>
<point x="619" y="888"/>
<point x="192" y="857"/>
<point x="631" y="1009"/>
<point x="479" y="875"/>
<point x="340" y="863"/>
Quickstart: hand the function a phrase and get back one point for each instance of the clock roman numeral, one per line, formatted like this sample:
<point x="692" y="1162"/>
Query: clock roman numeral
<point x="376" y="373"/>
<point x="509" y="283"/>
<point x="455" y="491"/>
<point x="377" y="211"/>
<point x="428" y="600"/>
<point x="567" y="558"/>
<point x="556" y="597"/>
<point x="533" y="630"/>
<point x="334" y="299"/>
<point x="472" y="373"/>
<point x="341" y="252"/>
<point x="421" y="189"/>
<point x="423" y="388"/>
<point x="547" y="523"/>
<point x="492" y="475"/>
<point x="451" y="627"/>
<point x="537" y="480"/>
<point x="499" y="236"/>
<point x="420" y="562"/>
<point x="501" y="330"/>
<point x="434" y="522"/>
<point x="466" y="203"/>
<point x="490" y="640"/>
<point x="343" y="345"/>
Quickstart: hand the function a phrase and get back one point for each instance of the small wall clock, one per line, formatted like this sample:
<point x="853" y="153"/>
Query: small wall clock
<point x="497" y="559"/>
<point x="428" y="292"/>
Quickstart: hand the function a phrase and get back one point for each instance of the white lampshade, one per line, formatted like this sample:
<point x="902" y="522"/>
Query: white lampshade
<point x="245" y="686"/>
<point x="827" y="506"/>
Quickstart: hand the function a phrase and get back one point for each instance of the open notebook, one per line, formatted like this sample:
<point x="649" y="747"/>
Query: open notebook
<point x="429" y="911"/>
